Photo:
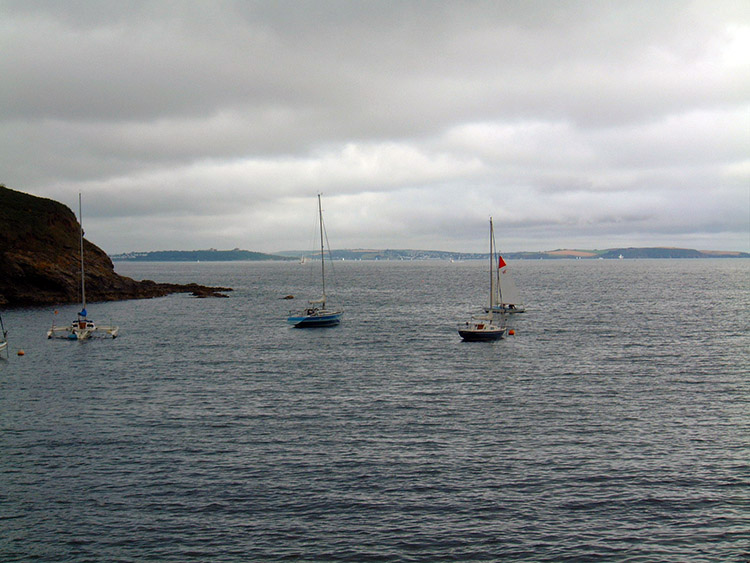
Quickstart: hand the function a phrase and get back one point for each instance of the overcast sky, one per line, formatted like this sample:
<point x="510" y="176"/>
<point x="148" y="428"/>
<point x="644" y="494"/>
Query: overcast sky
<point x="189" y="125"/>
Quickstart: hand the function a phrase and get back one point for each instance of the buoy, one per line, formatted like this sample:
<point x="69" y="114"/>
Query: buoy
<point x="21" y="353"/>
<point x="511" y="332"/>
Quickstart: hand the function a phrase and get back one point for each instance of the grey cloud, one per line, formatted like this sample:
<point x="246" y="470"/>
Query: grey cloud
<point x="419" y="119"/>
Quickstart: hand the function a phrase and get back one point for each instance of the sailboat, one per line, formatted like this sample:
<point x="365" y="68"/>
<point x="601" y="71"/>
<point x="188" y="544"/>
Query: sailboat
<point x="82" y="328"/>
<point x="507" y="298"/>
<point x="3" y="337"/>
<point x="316" y="314"/>
<point x="485" y="327"/>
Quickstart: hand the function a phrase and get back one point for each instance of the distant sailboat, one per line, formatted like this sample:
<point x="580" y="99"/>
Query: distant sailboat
<point x="485" y="327"/>
<point x="316" y="314"/>
<point x="83" y="327"/>
<point x="507" y="298"/>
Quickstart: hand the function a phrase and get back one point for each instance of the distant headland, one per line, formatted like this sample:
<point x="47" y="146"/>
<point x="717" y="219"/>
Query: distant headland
<point x="40" y="259"/>
<point x="210" y="255"/>
<point x="40" y="262"/>
<point x="370" y="254"/>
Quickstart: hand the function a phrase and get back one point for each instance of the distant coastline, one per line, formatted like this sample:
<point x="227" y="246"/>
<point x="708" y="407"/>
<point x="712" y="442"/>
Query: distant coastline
<point x="214" y="255"/>
<point x="210" y="255"/>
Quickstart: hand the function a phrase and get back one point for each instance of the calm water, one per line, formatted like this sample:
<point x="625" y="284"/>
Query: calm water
<point x="614" y="426"/>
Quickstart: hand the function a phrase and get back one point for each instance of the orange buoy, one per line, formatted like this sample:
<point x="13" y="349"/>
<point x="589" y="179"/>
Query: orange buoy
<point x="21" y="353"/>
<point x="511" y="332"/>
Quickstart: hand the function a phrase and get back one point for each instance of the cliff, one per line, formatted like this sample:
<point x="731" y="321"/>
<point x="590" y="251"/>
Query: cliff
<point x="40" y="259"/>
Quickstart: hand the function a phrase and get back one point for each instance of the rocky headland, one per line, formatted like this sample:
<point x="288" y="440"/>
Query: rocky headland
<point x="40" y="259"/>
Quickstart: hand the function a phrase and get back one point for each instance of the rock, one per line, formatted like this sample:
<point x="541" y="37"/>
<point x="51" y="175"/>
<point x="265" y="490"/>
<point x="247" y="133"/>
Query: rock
<point x="40" y="259"/>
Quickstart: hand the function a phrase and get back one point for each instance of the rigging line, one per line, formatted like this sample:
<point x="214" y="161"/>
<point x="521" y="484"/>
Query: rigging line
<point x="498" y="287"/>
<point x="83" y="272"/>
<point x="330" y="256"/>
<point x="312" y="240"/>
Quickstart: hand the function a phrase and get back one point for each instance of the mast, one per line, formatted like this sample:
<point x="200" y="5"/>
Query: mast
<point x="492" y="260"/>
<point x="498" y="285"/>
<point x="83" y="275"/>
<point x="322" y="255"/>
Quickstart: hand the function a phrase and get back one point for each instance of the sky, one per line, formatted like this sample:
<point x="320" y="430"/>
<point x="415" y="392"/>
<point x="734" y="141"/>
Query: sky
<point x="214" y="124"/>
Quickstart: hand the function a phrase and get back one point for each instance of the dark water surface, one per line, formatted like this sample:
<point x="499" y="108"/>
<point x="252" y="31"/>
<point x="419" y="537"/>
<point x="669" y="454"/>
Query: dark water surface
<point x="614" y="425"/>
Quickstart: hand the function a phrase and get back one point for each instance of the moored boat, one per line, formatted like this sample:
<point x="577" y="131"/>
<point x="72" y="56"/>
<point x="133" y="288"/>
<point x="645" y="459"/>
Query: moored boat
<point x="82" y="328"/>
<point x="482" y="328"/>
<point x="315" y="317"/>
<point x="486" y="327"/>
<point x="317" y="314"/>
<point x="507" y="298"/>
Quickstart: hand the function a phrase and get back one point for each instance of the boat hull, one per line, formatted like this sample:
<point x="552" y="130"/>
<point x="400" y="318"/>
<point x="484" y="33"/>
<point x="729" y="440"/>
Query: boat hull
<point x="81" y="330"/>
<point x="470" y="335"/>
<point x="315" y="321"/>
<point x="67" y="333"/>
<point x="506" y="309"/>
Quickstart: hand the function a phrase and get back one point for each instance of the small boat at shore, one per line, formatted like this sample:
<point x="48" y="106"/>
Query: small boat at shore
<point x="82" y="328"/>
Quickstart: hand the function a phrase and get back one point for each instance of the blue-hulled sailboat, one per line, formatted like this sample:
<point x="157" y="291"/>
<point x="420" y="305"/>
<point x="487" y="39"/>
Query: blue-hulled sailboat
<point x="317" y="314"/>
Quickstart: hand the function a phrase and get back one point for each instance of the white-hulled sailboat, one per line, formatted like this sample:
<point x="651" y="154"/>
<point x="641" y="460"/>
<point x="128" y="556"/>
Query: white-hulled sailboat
<point x="490" y="326"/>
<point x="83" y="327"/>
<point x="507" y="298"/>
<point x="317" y="314"/>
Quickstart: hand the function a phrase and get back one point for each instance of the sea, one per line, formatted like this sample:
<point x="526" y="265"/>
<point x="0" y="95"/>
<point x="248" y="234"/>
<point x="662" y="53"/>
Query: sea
<point x="613" y="425"/>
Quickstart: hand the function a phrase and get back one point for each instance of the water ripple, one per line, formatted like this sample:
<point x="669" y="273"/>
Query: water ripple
<point x="614" y="426"/>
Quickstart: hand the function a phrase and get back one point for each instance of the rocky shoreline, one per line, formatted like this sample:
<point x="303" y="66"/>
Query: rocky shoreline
<point x="40" y="259"/>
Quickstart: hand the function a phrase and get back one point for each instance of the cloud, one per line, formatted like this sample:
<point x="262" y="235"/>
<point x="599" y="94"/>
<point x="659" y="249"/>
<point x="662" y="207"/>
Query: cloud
<point x="216" y="123"/>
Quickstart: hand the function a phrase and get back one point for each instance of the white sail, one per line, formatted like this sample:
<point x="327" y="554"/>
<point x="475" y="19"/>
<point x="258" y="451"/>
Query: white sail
<point x="508" y="293"/>
<point x="504" y="295"/>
